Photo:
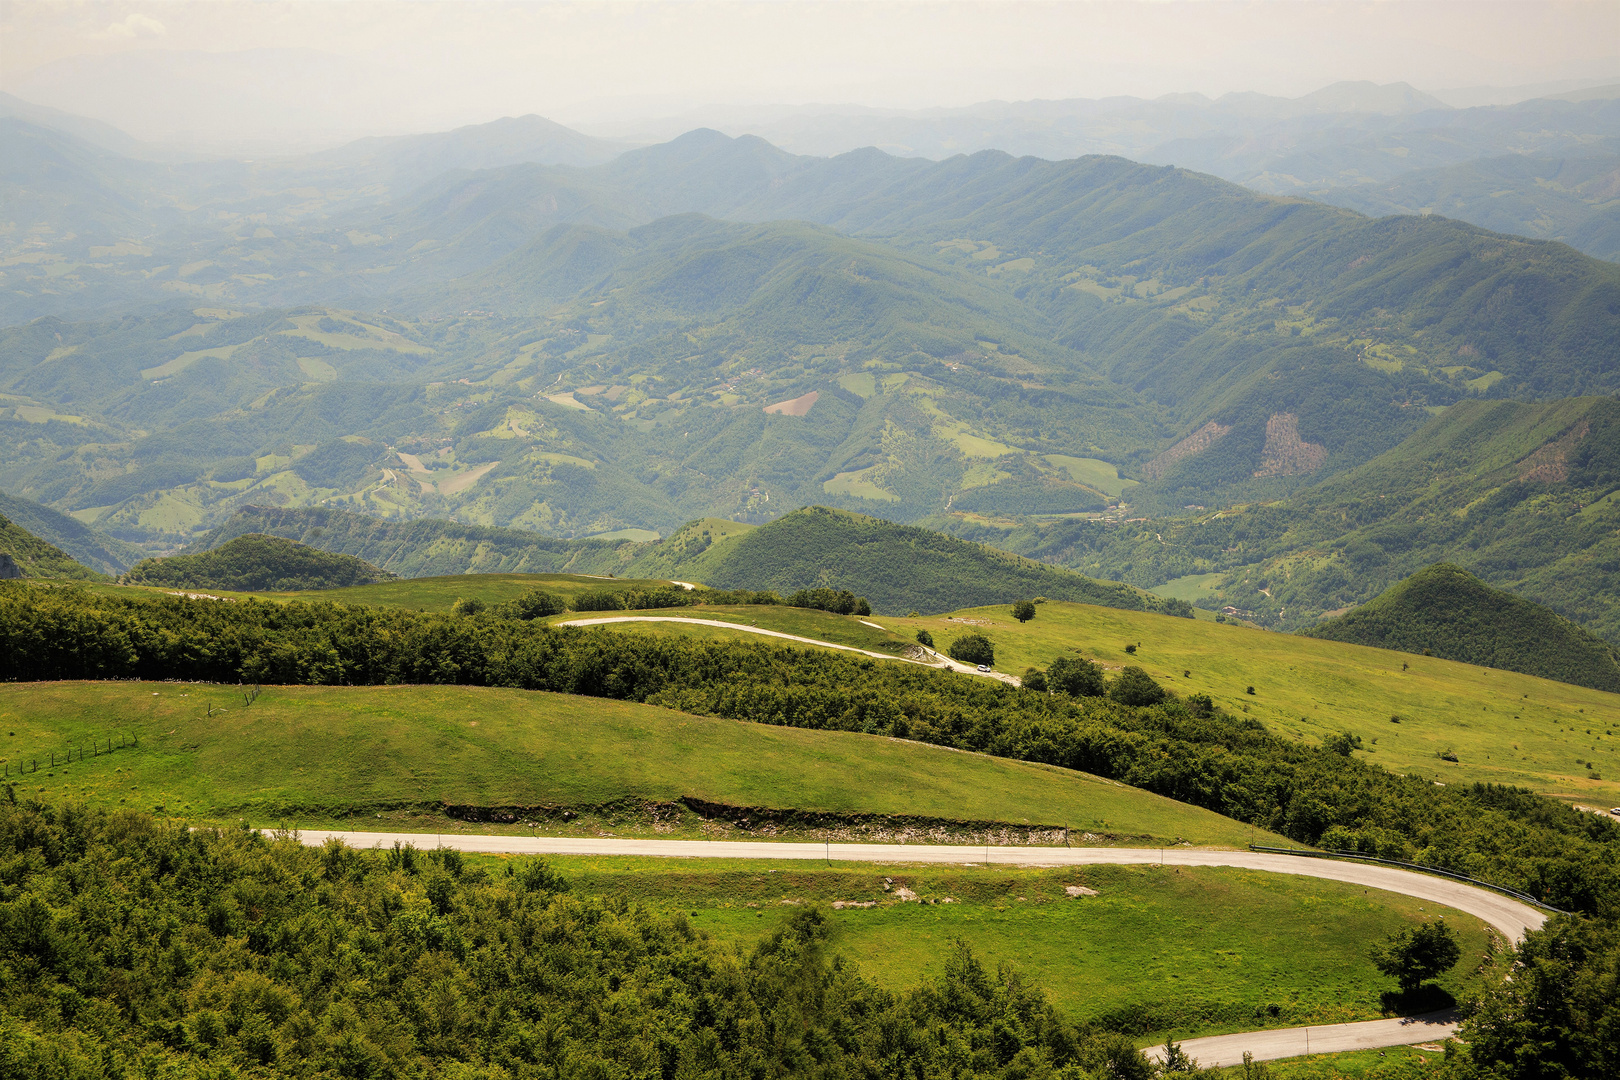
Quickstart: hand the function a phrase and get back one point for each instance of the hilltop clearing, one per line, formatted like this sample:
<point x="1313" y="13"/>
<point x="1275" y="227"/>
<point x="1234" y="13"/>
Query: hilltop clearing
<point x="1447" y="612"/>
<point x="1501" y="727"/>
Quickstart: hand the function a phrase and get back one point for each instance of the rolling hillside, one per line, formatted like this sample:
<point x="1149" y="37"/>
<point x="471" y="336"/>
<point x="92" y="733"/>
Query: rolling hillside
<point x="896" y="567"/>
<point x="1447" y="612"/>
<point x="22" y="554"/>
<point x="89" y="546"/>
<point x="424" y="547"/>
<point x="1521" y="495"/>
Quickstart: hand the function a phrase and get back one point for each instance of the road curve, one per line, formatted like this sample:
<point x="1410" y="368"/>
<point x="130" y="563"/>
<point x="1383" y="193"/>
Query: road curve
<point x="1216" y="1050"/>
<point x="1509" y="916"/>
<point x="944" y="661"/>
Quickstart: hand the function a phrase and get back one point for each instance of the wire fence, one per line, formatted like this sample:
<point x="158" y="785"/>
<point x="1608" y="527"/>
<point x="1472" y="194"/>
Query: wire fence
<point x="68" y="757"/>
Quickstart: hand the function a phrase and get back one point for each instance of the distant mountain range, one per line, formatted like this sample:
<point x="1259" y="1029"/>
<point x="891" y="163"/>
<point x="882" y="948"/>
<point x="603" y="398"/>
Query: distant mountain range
<point x="1035" y="353"/>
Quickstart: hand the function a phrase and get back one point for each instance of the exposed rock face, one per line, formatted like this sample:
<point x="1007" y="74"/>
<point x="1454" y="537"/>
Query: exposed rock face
<point x="1550" y="463"/>
<point x="1196" y="443"/>
<point x="9" y="567"/>
<point x="1285" y="453"/>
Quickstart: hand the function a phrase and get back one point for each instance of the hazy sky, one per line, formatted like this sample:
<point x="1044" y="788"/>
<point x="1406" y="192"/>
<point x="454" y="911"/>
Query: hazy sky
<point x="393" y="65"/>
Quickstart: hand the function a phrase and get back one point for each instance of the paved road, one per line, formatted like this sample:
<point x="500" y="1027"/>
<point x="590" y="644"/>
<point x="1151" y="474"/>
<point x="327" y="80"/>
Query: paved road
<point x="1325" y="1039"/>
<point x="940" y="659"/>
<point x="1509" y="916"/>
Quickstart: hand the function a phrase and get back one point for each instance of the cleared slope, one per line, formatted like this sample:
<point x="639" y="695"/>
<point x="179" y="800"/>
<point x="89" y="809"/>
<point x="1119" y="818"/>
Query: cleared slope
<point x="1446" y="611"/>
<point x="320" y="753"/>
<point x="1502" y="726"/>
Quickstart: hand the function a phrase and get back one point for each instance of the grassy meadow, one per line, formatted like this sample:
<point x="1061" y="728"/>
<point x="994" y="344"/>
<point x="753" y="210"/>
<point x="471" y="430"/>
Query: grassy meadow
<point x="1198" y="951"/>
<point x="434" y="593"/>
<point x="1503" y="727"/>
<point x="801" y="622"/>
<point x="319" y="756"/>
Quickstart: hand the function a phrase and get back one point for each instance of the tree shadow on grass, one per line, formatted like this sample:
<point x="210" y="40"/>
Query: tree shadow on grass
<point x="1425" y="999"/>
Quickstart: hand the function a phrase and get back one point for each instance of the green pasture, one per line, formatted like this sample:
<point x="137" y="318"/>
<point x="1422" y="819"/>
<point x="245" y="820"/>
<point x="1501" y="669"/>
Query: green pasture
<point x="1503" y="727"/>
<point x="435" y="593"/>
<point x="801" y="622"/>
<point x="1194" y="951"/>
<point x="317" y="755"/>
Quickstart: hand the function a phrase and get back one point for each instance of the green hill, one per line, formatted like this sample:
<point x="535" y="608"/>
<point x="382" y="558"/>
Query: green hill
<point x="1521" y="494"/>
<point x="257" y="563"/>
<point x="89" y="546"/>
<point x="1447" y="612"/>
<point x="22" y="554"/>
<point x="425" y="547"/>
<point x="898" y="568"/>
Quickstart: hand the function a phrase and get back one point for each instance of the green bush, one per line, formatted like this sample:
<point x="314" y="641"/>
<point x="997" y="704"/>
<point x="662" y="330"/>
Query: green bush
<point x="534" y="604"/>
<point x="925" y="638"/>
<point x="1133" y="686"/>
<point x="973" y="649"/>
<point x="1075" y="676"/>
<point x="134" y="946"/>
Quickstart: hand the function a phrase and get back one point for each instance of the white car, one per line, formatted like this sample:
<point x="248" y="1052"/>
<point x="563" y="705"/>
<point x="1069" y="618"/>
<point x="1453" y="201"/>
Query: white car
<point x="1615" y="810"/>
<point x="984" y="667"/>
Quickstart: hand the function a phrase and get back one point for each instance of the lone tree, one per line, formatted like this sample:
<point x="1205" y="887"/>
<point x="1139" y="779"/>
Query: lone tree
<point x="1413" y="957"/>
<point x="1024" y="610"/>
<point x="1134" y="686"/>
<point x="1075" y="676"/>
<point x="925" y="638"/>
<point x="973" y="649"/>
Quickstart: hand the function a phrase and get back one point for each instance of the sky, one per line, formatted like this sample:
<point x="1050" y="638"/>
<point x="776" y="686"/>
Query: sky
<point x="322" y="70"/>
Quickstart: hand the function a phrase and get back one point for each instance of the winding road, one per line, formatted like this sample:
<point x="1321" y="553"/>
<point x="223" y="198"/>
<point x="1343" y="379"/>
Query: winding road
<point x="942" y="660"/>
<point x="1508" y="916"/>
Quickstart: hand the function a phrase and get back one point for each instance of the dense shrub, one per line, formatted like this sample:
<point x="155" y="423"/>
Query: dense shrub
<point x="838" y="601"/>
<point x="1075" y="676"/>
<point x="1133" y="686"/>
<point x="133" y="947"/>
<point x="534" y="604"/>
<point x="973" y="649"/>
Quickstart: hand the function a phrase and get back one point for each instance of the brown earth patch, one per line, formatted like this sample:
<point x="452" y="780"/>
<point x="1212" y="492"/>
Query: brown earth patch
<point x="1550" y="463"/>
<point x="795" y="406"/>
<point x="1285" y="453"/>
<point x="1196" y="443"/>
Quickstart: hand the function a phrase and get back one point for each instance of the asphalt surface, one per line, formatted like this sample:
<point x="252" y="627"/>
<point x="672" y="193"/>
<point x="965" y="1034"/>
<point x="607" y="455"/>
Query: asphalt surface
<point x="1326" y="1039"/>
<point x="1509" y="916"/>
<point x="941" y="660"/>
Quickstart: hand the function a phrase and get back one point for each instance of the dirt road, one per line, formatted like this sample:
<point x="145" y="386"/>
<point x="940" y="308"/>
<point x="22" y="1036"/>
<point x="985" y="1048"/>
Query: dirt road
<point x="940" y="660"/>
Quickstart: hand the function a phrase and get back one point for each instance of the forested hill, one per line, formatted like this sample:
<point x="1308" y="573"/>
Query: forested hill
<point x="424" y="547"/>
<point x="898" y="568"/>
<point x="255" y="563"/>
<point x="94" y="549"/>
<point x="1447" y="612"/>
<point x="26" y="555"/>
